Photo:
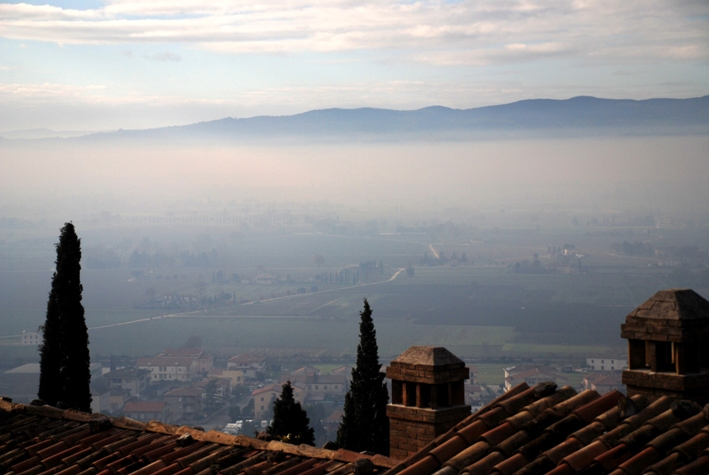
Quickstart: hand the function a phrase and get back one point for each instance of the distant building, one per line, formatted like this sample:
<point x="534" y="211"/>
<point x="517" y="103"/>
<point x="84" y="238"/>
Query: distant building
<point x="133" y="379"/>
<point x="604" y="383"/>
<point x="182" y="364"/>
<point x="147" y="411"/>
<point x="236" y="376"/>
<point x="118" y="398"/>
<point x="253" y="366"/>
<point x="607" y="364"/>
<point x="222" y="387"/>
<point x="532" y="375"/>
<point x="332" y="423"/>
<point x="185" y="404"/>
<point x="317" y="387"/>
<point x="31" y="338"/>
<point x="264" y="397"/>
<point x="100" y="398"/>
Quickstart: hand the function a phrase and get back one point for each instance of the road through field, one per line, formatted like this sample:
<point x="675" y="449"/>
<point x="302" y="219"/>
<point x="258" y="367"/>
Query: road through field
<point x="197" y="312"/>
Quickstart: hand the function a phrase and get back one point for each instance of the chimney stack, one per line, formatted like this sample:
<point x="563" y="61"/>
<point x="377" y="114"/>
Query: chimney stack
<point x="668" y="346"/>
<point x="428" y="397"/>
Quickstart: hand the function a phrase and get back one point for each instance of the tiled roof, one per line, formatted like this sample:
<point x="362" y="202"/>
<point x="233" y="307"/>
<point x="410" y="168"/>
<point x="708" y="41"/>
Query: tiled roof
<point x="165" y="361"/>
<point x="247" y="359"/>
<point x="265" y="389"/>
<point x="184" y="392"/>
<point x="144" y="406"/>
<point x="126" y="373"/>
<point x="335" y="416"/>
<point x="45" y="440"/>
<point x="545" y="430"/>
<point x="183" y="353"/>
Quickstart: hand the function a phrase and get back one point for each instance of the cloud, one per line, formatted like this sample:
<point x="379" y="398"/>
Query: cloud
<point x="467" y="32"/>
<point x="164" y="56"/>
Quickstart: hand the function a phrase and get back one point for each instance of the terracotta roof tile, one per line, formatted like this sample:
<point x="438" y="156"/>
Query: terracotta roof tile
<point x="485" y="464"/>
<point x="598" y="406"/>
<point x="614" y="457"/>
<point x="585" y="456"/>
<point x="698" y="467"/>
<point x="562" y="469"/>
<point x="510" y="465"/>
<point x="451" y="447"/>
<point x="494" y="417"/>
<point x="45" y="441"/>
<point x="498" y="434"/>
<point x="667" y="465"/>
<point x="694" y="446"/>
<point x="635" y="465"/>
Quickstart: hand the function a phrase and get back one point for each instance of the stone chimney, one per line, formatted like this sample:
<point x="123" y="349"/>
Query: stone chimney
<point x="427" y="397"/>
<point x="668" y="346"/>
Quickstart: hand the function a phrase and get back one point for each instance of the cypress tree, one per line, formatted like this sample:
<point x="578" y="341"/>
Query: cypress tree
<point x="290" y="421"/>
<point x="64" y="354"/>
<point x="365" y="426"/>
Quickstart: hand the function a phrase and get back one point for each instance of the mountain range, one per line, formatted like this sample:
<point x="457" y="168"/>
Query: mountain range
<point x="576" y="116"/>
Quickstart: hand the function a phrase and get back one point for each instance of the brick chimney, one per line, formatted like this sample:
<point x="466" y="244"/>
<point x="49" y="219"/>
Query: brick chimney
<point x="668" y="346"/>
<point x="428" y="397"/>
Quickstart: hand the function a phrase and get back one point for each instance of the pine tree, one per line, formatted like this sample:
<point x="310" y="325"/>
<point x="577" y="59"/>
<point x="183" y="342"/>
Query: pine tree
<point x="64" y="354"/>
<point x="365" y="426"/>
<point x="290" y="421"/>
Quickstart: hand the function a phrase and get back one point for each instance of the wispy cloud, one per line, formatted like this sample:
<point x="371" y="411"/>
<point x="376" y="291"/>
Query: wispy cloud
<point x="468" y="32"/>
<point x="164" y="56"/>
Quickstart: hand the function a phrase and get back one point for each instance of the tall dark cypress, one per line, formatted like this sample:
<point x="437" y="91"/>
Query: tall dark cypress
<point x="290" y="421"/>
<point x="365" y="425"/>
<point x="64" y="354"/>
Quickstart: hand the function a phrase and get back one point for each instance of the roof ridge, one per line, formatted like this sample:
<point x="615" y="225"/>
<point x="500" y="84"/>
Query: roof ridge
<point x="212" y="436"/>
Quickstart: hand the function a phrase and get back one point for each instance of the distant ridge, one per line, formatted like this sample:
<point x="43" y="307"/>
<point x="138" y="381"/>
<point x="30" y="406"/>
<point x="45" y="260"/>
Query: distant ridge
<point x="578" y="115"/>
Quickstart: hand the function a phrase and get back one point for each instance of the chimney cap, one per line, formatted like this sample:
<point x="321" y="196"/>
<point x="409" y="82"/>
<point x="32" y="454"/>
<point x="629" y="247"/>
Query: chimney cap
<point x="428" y="356"/>
<point x="672" y="304"/>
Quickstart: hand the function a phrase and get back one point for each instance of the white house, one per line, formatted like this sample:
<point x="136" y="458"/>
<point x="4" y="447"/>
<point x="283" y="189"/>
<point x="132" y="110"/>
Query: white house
<point x="606" y="363"/>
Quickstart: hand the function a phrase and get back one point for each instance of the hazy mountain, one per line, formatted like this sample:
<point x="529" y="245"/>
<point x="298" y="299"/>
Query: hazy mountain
<point x="575" y="116"/>
<point x="42" y="134"/>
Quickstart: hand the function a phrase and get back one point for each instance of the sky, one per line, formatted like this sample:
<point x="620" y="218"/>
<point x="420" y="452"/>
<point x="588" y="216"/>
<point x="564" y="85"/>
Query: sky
<point x="103" y="65"/>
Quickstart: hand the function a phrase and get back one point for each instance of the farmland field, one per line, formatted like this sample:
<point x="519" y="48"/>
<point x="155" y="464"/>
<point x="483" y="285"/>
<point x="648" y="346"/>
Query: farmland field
<point x="279" y="300"/>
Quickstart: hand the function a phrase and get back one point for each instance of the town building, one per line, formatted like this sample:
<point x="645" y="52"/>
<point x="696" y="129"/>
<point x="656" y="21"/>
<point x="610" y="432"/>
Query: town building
<point x="182" y="364"/>
<point x="222" y="388"/>
<point x="133" y="379"/>
<point x="147" y="411"/>
<point x="607" y="363"/>
<point x="31" y="338"/>
<point x="234" y="375"/>
<point x="100" y="398"/>
<point x="253" y="366"/>
<point x="185" y="404"/>
<point x="604" y="383"/>
<point x="532" y="375"/>
<point x="118" y="398"/>
<point x="264" y="397"/>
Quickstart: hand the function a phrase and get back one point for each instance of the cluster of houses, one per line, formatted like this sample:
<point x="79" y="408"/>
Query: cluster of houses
<point x="174" y="386"/>
<point x="177" y="386"/>
<point x="310" y="386"/>
<point x="602" y="374"/>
